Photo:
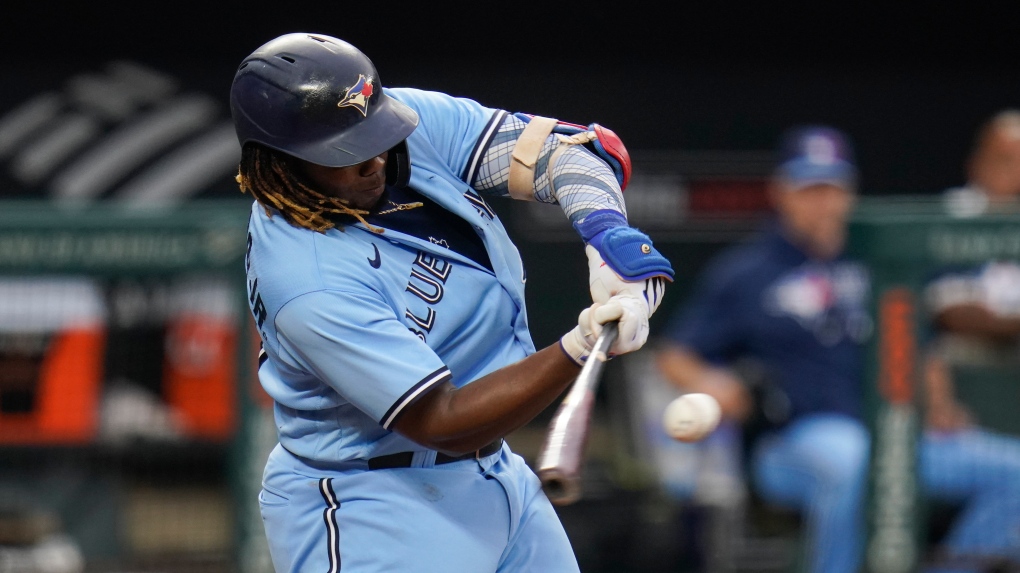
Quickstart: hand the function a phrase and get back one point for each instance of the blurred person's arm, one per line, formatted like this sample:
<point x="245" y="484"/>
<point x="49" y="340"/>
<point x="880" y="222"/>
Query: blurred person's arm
<point x="688" y="371"/>
<point x="943" y="412"/>
<point x="706" y="335"/>
<point x="977" y="302"/>
<point x="976" y="319"/>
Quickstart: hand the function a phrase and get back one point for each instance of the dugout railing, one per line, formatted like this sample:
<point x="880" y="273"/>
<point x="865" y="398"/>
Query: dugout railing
<point x="906" y="241"/>
<point x="132" y="430"/>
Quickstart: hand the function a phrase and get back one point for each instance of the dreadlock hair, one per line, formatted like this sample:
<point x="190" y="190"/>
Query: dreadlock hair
<point x="270" y="176"/>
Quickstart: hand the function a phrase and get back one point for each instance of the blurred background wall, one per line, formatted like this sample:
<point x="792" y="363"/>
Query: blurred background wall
<point x="909" y="81"/>
<point x="120" y="104"/>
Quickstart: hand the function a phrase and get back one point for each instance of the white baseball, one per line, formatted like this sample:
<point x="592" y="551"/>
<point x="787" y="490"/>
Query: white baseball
<point x="691" y="417"/>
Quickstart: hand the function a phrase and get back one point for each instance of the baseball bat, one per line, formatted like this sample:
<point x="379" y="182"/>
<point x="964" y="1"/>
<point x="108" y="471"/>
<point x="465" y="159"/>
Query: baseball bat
<point x="561" y="457"/>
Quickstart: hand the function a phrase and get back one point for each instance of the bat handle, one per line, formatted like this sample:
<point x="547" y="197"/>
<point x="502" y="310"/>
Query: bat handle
<point x="600" y="350"/>
<point x="588" y="378"/>
<point x="560" y="461"/>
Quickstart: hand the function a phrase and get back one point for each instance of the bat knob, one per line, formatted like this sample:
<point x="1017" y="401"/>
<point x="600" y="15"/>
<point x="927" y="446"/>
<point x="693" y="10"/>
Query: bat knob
<point x="559" y="489"/>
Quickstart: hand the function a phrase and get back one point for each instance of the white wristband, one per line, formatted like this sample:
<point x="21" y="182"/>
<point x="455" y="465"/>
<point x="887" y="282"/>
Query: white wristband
<point x="574" y="346"/>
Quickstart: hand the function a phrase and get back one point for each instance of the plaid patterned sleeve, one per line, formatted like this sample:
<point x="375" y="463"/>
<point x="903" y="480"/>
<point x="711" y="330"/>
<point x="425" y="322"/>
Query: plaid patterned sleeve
<point x="579" y="181"/>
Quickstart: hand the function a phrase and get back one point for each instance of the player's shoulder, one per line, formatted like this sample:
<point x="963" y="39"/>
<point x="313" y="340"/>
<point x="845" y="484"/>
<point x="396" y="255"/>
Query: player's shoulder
<point x="421" y="100"/>
<point x="423" y="97"/>
<point x="299" y="259"/>
<point x="431" y="104"/>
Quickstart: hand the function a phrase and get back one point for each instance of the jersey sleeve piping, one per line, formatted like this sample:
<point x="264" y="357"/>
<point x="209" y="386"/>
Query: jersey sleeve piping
<point x="439" y="376"/>
<point x="482" y="145"/>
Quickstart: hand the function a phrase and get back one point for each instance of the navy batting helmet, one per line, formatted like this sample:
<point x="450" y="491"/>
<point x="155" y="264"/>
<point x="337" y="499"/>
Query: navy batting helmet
<point x="319" y="99"/>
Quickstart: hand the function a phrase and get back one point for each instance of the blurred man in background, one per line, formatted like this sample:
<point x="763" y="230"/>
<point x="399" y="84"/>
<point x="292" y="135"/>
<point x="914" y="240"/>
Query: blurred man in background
<point x="975" y="309"/>
<point x="793" y="306"/>
<point x="984" y="302"/>
<point x="993" y="169"/>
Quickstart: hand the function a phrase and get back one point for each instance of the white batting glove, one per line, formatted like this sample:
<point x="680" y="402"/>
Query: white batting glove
<point x="630" y="312"/>
<point x="603" y="282"/>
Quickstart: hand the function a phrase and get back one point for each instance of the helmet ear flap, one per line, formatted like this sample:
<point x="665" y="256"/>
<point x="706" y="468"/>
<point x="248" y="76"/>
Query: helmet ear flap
<point x="398" y="165"/>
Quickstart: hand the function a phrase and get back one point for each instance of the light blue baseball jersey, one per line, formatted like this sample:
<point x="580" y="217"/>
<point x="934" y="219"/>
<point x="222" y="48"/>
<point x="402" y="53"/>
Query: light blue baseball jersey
<point x="356" y="324"/>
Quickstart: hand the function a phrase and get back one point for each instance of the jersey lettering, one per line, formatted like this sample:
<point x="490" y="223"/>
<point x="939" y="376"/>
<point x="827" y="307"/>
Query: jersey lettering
<point x="258" y="308"/>
<point x="426" y="322"/>
<point x="247" y="254"/>
<point x="479" y="204"/>
<point x="428" y="277"/>
<point x="439" y="268"/>
<point x="433" y="295"/>
<point x="438" y="271"/>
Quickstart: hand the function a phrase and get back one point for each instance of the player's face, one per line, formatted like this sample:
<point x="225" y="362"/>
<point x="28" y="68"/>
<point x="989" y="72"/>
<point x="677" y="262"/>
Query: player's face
<point x="816" y="216"/>
<point x="996" y="167"/>
<point x="360" y="185"/>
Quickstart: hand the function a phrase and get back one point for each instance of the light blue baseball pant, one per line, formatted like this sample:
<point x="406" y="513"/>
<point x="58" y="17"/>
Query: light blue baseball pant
<point x="471" y="516"/>
<point x="819" y="465"/>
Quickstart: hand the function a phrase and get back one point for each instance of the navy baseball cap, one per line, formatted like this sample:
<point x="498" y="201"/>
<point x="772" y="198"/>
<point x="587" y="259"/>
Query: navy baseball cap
<point x="813" y="155"/>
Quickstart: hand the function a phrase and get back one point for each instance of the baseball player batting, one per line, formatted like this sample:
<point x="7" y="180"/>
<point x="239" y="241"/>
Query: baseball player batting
<point x="390" y="303"/>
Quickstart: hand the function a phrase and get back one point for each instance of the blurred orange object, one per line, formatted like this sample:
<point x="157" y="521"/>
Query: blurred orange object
<point x="52" y="340"/>
<point x="199" y="373"/>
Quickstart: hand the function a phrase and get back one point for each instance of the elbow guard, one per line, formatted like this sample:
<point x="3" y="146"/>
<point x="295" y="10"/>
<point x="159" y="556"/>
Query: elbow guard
<point x="601" y="141"/>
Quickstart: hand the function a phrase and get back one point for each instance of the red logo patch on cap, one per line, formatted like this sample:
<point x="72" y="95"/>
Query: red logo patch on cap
<point x="358" y="95"/>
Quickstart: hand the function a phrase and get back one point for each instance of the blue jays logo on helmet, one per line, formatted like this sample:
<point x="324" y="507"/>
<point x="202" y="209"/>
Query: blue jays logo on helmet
<point x="358" y="95"/>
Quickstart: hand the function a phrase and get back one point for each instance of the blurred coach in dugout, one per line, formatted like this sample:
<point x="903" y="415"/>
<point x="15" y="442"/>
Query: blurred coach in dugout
<point x="790" y="307"/>
<point x="975" y="309"/>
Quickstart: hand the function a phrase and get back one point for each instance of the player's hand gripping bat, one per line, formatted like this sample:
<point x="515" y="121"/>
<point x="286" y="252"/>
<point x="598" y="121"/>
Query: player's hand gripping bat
<point x="560" y="461"/>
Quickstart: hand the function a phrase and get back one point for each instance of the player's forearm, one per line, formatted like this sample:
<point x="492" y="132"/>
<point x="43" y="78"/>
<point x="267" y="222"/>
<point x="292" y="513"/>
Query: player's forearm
<point x="460" y="420"/>
<point x="976" y="319"/>
<point x="691" y="374"/>
<point x="581" y="183"/>
<point x="937" y="379"/>
<point x="682" y="368"/>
